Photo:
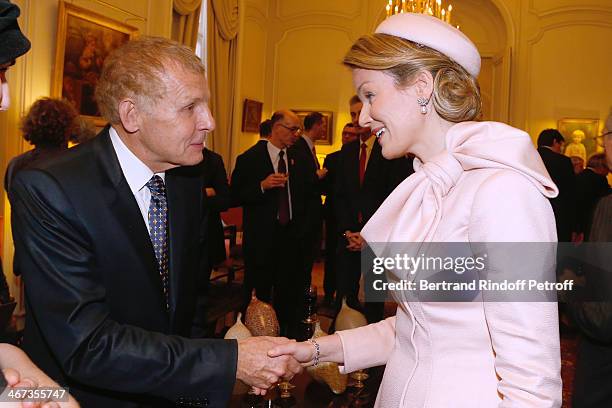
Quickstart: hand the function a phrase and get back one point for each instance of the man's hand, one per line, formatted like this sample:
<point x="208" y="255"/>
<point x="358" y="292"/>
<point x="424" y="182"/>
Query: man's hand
<point x="355" y="241"/>
<point x="321" y="173"/>
<point x="255" y="368"/>
<point x="274" y="180"/>
<point x="210" y="192"/>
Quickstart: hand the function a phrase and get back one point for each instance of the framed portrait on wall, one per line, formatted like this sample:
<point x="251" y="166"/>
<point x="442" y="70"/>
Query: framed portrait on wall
<point x="84" y="39"/>
<point x="580" y="137"/>
<point x="328" y="124"/>
<point x="251" y="115"/>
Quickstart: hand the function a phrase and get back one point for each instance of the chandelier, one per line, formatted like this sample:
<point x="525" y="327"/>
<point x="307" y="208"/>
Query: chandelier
<point x="431" y="7"/>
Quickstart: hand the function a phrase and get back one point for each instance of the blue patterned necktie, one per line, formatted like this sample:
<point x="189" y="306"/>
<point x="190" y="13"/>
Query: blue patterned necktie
<point x="158" y="227"/>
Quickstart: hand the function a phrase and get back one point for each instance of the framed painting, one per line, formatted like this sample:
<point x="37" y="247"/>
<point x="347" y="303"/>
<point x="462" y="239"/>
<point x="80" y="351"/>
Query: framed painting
<point x="328" y="122"/>
<point x="251" y="115"/>
<point x="580" y="137"/>
<point x="84" y="39"/>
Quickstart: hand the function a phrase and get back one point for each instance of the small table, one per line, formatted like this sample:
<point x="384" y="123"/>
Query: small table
<point x="309" y="393"/>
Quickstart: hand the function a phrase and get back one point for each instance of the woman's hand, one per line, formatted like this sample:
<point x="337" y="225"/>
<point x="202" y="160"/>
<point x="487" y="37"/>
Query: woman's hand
<point x="304" y="352"/>
<point x="20" y="372"/>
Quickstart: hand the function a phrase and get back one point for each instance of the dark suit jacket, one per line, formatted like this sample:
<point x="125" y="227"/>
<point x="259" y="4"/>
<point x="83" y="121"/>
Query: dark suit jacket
<point x="214" y="175"/>
<point x="314" y="208"/>
<point x="590" y="187"/>
<point x="329" y="186"/>
<point x="564" y="205"/>
<point x="260" y="209"/>
<point x="594" y="320"/>
<point x="23" y="161"/>
<point x="351" y="198"/>
<point x="96" y="317"/>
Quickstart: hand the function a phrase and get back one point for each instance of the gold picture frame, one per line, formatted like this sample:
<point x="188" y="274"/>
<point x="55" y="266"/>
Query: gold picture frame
<point x="84" y="39"/>
<point x="590" y="127"/>
<point x="328" y="124"/>
<point x="251" y="115"/>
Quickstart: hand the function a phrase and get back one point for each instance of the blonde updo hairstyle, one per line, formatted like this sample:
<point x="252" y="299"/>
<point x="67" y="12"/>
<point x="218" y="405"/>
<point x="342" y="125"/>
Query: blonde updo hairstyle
<point x="456" y="94"/>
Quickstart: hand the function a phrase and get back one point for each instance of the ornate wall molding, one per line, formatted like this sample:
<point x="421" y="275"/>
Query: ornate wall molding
<point x="532" y="9"/>
<point x="537" y="37"/>
<point x="349" y="15"/>
<point x="344" y="29"/>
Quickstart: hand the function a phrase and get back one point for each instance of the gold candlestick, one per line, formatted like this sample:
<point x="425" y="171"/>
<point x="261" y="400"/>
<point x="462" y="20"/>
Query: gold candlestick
<point x="359" y="376"/>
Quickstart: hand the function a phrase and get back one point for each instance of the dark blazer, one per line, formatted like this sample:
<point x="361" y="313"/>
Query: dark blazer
<point x="96" y="318"/>
<point x="23" y="161"/>
<point x="314" y="208"/>
<point x="594" y="319"/>
<point x="351" y="198"/>
<point x="564" y="205"/>
<point x="214" y="175"/>
<point x="590" y="187"/>
<point x="260" y="209"/>
<point x="27" y="159"/>
<point x="328" y="187"/>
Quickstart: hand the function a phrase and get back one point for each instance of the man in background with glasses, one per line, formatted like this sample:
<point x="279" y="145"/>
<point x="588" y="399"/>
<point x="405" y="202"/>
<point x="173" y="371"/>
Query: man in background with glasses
<point x="270" y="183"/>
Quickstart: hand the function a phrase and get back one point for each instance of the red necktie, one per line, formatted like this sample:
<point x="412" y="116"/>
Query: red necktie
<point x="362" y="162"/>
<point x="362" y="169"/>
<point x="283" y="193"/>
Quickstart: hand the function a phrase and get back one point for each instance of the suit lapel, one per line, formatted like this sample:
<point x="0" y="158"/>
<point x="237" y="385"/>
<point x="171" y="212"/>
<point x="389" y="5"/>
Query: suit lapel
<point x="123" y="204"/>
<point x="184" y="192"/>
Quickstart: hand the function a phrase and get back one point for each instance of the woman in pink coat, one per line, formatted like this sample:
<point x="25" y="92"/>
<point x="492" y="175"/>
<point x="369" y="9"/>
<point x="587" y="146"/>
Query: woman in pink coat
<point x="474" y="182"/>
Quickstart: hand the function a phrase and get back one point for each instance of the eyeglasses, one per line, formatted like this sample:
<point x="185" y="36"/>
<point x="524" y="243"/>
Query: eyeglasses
<point x="294" y="129"/>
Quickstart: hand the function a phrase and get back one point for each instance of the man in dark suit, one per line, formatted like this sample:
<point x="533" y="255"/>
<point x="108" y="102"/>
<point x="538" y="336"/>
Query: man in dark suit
<point x="305" y="149"/>
<point x="216" y="200"/>
<point x="591" y="186"/>
<point x="550" y="143"/>
<point x="349" y="134"/>
<point x="108" y="237"/>
<point x="271" y="183"/>
<point x="594" y="318"/>
<point x="364" y="180"/>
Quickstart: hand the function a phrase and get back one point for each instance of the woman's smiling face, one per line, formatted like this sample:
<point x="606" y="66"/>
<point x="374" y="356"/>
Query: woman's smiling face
<point x="391" y="112"/>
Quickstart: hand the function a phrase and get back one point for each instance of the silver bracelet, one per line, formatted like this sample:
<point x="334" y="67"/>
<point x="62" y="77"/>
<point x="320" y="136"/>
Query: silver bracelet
<point x="317" y="351"/>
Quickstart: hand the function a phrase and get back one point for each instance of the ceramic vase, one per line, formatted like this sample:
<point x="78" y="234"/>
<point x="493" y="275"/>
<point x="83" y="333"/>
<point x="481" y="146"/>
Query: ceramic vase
<point x="328" y="373"/>
<point x="349" y="318"/>
<point x="261" y="318"/>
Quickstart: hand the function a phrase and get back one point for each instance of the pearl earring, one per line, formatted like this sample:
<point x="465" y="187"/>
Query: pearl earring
<point x="423" y="104"/>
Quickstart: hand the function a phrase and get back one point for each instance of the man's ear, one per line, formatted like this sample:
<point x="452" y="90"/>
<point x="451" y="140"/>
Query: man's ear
<point x="129" y="116"/>
<point x="424" y="84"/>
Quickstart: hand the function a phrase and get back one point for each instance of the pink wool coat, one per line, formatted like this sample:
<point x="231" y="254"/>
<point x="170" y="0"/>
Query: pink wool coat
<point x="490" y="185"/>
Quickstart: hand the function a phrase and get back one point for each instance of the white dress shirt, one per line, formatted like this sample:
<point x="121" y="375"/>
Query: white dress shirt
<point x="273" y="151"/>
<point x="136" y="173"/>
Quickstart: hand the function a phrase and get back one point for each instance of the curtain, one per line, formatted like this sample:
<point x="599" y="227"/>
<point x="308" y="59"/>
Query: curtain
<point x="185" y="21"/>
<point x="223" y="23"/>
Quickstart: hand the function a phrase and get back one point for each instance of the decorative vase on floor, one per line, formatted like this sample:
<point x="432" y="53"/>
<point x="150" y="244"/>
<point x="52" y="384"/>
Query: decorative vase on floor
<point x="261" y="318"/>
<point x="349" y="318"/>
<point x="328" y="373"/>
<point x="238" y="332"/>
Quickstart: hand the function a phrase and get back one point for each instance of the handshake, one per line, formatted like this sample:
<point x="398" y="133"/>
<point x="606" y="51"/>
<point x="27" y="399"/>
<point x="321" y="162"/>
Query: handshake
<point x="264" y="361"/>
<point x="19" y="374"/>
